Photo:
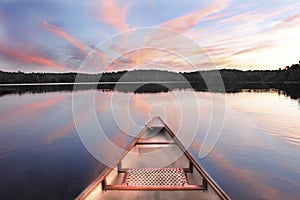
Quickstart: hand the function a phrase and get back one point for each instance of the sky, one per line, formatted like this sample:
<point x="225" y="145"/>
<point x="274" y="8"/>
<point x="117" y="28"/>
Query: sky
<point x="58" y="36"/>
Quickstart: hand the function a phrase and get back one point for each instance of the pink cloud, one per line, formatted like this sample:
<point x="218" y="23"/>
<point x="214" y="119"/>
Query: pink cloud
<point x="60" y="32"/>
<point x="114" y="14"/>
<point x="248" y="39"/>
<point x="185" y="22"/>
<point x="148" y="58"/>
<point x="252" y="49"/>
<point x="31" y="58"/>
<point x="290" y="21"/>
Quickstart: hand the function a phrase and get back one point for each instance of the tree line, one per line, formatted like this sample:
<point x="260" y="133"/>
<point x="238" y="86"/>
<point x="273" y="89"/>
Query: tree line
<point x="230" y="76"/>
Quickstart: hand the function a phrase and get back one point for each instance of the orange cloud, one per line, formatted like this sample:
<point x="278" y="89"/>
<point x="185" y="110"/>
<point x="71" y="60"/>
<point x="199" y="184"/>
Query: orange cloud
<point x="188" y="21"/>
<point x="252" y="49"/>
<point x="28" y="58"/>
<point x="246" y="45"/>
<point x="215" y="49"/>
<point x="147" y="58"/>
<point x="132" y="59"/>
<point x="58" y="31"/>
<point x="141" y="56"/>
<point x="114" y="14"/>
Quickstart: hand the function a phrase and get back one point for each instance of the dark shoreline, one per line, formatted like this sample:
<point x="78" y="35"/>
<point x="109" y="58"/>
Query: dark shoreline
<point x="290" y="90"/>
<point x="228" y="76"/>
<point x="286" y="81"/>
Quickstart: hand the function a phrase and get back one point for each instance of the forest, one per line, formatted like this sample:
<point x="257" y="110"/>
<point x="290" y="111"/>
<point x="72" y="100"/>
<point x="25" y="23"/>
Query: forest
<point x="289" y="75"/>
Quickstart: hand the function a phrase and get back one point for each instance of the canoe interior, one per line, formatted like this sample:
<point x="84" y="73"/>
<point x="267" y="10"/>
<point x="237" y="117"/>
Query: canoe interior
<point x="155" y="166"/>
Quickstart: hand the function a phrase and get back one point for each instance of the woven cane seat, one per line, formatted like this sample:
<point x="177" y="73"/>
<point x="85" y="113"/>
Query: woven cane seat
<point x="155" y="177"/>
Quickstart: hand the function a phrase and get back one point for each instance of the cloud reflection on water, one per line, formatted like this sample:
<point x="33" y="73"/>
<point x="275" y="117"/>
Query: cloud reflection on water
<point x="257" y="155"/>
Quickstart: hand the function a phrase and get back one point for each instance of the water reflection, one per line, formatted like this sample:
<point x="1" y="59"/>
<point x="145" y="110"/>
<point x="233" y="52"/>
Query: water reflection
<point x="292" y="90"/>
<point x="41" y="155"/>
<point x="259" y="164"/>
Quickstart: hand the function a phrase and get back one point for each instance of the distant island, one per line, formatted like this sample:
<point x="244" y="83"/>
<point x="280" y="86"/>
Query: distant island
<point x="287" y="80"/>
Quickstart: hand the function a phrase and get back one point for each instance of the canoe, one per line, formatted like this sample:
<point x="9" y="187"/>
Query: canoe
<point x="155" y="165"/>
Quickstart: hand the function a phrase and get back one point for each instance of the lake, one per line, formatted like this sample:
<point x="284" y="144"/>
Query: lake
<point x="257" y="155"/>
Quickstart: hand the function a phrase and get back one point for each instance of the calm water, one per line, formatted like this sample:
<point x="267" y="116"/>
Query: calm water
<point x="256" y="157"/>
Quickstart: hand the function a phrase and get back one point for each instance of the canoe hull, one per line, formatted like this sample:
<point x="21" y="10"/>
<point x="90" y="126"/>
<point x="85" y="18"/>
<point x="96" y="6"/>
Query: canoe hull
<point x="152" y="168"/>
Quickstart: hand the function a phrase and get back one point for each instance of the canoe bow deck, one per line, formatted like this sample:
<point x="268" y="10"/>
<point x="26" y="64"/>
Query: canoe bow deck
<point x="155" y="165"/>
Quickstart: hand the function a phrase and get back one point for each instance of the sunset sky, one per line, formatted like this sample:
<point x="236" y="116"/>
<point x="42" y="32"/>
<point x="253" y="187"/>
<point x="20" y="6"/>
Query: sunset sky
<point x="56" y="36"/>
